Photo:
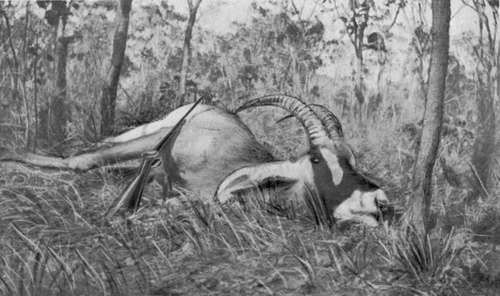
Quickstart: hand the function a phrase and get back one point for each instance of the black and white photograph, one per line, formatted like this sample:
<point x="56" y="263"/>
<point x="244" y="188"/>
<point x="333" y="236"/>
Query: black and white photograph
<point x="249" y="147"/>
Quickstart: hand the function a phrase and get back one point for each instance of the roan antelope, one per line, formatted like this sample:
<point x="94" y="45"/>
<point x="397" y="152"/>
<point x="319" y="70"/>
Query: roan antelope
<point x="216" y="156"/>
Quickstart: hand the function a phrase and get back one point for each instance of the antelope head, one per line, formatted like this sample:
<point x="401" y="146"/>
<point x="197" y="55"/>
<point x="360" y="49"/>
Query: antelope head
<point x="327" y="170"/>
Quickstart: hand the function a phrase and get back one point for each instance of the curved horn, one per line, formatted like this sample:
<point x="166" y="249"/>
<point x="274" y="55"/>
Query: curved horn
<point x="317" y="134"/>
<point x="334" y="128"/>
<point x="330" y="121"/>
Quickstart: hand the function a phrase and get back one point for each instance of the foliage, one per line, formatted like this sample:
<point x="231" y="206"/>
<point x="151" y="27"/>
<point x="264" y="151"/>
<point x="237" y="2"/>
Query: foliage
<point x="423" y="258"/>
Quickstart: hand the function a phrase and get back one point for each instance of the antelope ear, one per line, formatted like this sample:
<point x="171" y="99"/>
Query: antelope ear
<point x="347" y="151"/>
<point x="278" y="175"/>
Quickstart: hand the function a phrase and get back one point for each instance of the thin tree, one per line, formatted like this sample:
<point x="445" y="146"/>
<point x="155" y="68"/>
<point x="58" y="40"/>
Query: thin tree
<point x="487" y="79"/>
<point x="13" y="64"/>
<point x="108" y="99"/>
<point x="477" y="176"/>
<point x="433" y="116"/>
<point x="356" y="25"/>
<point x="186" y="49"/>
<point x="420" y="48"/>
<point x="58" y="106"/>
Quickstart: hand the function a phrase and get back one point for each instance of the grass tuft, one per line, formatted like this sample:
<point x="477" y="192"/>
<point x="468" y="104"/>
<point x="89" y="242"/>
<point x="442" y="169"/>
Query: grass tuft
<point x="430" y="260"/>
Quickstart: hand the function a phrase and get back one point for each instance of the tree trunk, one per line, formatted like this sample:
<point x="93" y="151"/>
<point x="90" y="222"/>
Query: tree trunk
<point x="433" y="117"/>
<point x="357" y="24"/>
<point x="359" y="86"/>
<point x="58" y="107"/>
<point x="487" y="81"/>
<point x="108" y="99"/>
<point x="14" y="65"/>
<point x="186" y="49"/>
<point x="497" y="78"/>
<point x="484" y="143"/>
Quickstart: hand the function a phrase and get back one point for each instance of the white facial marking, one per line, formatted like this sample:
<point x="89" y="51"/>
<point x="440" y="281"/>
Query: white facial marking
<point x="252" y="176"/>
<point x="343" y="211"/>
<point x="360" y="206"/>
<point x="333" y="163"/>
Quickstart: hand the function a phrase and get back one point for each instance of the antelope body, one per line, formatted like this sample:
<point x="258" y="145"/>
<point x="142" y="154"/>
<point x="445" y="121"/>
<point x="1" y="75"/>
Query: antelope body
<point x="216" y="156"/>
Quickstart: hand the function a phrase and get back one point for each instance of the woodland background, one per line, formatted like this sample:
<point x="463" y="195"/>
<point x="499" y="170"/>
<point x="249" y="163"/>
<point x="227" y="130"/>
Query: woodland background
<point x="74" y="72"/>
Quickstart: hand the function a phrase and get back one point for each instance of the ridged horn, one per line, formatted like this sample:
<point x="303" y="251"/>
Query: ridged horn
<point x="329" y="120"/>
<point x="316" y="133"/>
<point x="334" y="128"/>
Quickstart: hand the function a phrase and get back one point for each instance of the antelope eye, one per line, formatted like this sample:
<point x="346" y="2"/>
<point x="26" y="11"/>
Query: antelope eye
<point x="315" y="159"/>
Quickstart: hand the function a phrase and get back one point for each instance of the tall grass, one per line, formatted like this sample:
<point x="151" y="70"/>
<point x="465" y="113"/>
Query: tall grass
<point x="53" y="241"/>
<point x="429" y="260"/>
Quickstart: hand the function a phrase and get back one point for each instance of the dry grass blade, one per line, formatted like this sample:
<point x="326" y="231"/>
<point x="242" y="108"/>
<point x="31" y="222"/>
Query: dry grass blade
<point x="31" y="244"/>
<point x="135" y="260"/>
<point x="424" y="258"/>
<point x="194" y="238"/>
<point x="113" y="260"/>
<point x="68" y="275"/>
<point x="335" y="260"/>
<point x="8" y="274"/>
<point x="7" y="286"/>
<point x="38" y="271"/>
<point x="91" y="271"/>
<point x="317" y="207"/>
<point x="233" y="229"/>
<point x="112" y="284"/>
<point x="311" y="275"/>
<point x="203" y="212"/>
<point x="162" y="254"/>
<point x="268" y="290"/>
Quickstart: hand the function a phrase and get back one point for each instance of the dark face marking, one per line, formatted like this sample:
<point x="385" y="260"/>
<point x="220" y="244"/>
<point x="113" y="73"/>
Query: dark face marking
<point x="332" y="195"/>
<point x="323" y="181"/>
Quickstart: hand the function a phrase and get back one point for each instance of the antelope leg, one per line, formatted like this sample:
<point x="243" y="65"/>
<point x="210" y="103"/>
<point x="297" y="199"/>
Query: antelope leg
<point x="93" y="159"/>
